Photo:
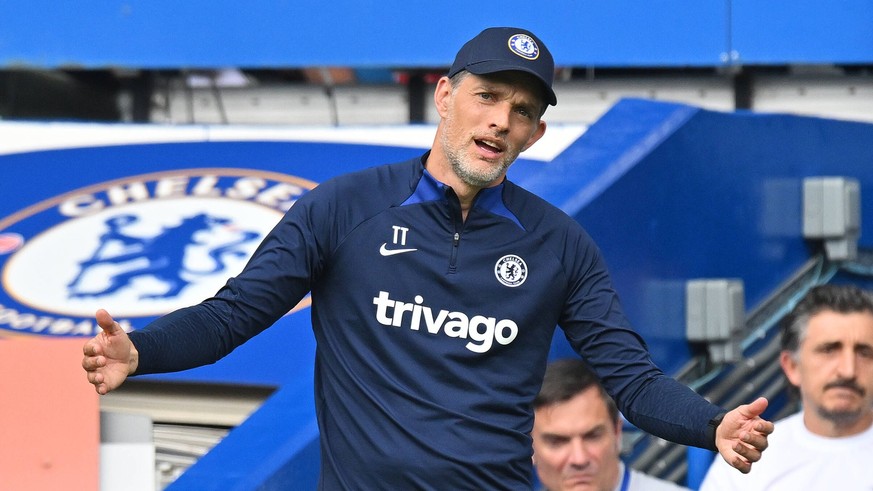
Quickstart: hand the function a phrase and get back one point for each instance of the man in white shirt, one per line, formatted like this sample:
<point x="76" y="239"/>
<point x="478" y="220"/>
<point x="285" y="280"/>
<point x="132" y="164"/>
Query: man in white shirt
<point x="827" y="353"/>
<point x="577" y="435"/>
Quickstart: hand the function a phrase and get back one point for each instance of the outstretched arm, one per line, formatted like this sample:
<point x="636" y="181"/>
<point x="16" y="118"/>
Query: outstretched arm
<point x="110" y="356"/>
<point x="742" y="435"/>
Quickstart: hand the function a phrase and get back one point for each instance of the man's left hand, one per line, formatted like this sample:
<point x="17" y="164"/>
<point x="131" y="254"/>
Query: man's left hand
<point x="742" y="435"/>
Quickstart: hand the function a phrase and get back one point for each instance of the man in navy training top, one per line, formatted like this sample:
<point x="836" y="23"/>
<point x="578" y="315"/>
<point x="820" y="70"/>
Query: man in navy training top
<point x="435" y="295"/>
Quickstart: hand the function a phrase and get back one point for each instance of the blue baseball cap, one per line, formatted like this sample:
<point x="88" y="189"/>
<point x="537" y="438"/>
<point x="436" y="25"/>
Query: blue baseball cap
<point x="500" y="49"/>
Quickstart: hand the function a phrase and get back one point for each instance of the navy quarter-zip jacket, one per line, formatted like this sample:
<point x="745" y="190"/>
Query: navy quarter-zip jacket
<point x="432" y="332"/>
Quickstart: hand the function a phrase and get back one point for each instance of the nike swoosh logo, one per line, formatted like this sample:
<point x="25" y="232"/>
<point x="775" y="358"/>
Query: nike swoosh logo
<point x="390" y="252"/>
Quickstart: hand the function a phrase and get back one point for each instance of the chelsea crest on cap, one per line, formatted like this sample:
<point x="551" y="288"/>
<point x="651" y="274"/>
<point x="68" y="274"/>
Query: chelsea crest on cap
<point x="499" y="49"/>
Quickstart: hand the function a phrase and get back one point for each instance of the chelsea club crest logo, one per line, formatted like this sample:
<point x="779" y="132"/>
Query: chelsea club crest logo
<point x="511" y="270"/>
<point x="142" y="246"/>
<point x="524" y="46"/>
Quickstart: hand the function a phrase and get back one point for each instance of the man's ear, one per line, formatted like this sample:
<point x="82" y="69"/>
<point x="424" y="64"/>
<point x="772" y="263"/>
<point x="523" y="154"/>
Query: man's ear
<point x="790" y="367"/>
<point x="540" y="131"/>
<point x="442" y="96"/>
<point x="618" y="437"/>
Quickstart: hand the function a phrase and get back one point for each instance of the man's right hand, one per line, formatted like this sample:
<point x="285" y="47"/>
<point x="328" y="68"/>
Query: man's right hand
<point x="110" y="356"/>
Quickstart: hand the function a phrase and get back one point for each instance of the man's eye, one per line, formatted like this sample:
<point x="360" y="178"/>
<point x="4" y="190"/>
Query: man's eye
<point x="555" y="442"/>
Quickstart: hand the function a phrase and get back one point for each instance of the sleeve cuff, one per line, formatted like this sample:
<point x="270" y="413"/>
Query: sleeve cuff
<point x="711" y="427"/>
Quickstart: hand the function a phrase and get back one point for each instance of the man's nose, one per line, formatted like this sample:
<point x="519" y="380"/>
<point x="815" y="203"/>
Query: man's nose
<point x="578" y="453"/>
<point x="499" y="116"/>
<point x="847" y="364"/>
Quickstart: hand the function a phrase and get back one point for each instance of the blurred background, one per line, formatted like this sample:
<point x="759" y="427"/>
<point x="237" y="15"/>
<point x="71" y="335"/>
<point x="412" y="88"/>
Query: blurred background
<point x="299" y="62"/>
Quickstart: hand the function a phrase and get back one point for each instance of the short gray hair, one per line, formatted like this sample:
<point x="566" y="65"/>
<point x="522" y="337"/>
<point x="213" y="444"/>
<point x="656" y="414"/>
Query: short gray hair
<point x="844" y="299"/>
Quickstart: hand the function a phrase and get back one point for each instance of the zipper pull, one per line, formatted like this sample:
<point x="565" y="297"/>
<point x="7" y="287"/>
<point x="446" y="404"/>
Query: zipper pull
<point x="456" y="239"/>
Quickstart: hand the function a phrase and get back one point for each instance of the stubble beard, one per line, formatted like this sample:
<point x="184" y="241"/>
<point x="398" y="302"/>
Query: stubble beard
<point x="462" y="164"/>
<point x="840" y="417"/>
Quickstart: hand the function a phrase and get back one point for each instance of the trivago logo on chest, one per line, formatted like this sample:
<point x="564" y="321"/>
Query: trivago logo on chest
<point x="482" y="331"/>
<point x="140" y="246"/>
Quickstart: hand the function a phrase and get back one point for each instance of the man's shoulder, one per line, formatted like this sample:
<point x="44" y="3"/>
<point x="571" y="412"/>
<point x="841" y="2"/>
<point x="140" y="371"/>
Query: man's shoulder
<point x="379" y="182"/>
<point x="534" y="209"/>
<point x="514" y="192"/>
<point x="382" y="174"/>
<point x="784" y="428"/>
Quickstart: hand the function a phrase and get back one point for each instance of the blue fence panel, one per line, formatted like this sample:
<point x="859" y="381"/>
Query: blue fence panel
<point x="294" y="33"/>
<point x="804" y="31"/>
